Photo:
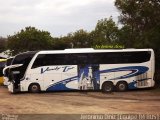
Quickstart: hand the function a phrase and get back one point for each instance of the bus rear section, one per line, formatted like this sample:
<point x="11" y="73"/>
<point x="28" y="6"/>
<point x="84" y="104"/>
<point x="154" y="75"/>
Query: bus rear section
<point x="132" y="69"/>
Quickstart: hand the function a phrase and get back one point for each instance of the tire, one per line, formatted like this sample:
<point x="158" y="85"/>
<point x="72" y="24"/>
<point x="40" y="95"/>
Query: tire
<point x="122" y="86"/>
<point x="107" y="87"/>
<point x="34" y="88"/>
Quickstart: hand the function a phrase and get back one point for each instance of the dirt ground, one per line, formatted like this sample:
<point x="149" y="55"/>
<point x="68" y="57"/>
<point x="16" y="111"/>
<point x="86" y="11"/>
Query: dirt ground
<point x="139" y="101"/>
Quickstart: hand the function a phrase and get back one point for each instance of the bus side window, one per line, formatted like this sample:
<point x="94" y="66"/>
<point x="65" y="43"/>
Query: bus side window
<point x="39" y="61"/>
<point x="83" y="59"/>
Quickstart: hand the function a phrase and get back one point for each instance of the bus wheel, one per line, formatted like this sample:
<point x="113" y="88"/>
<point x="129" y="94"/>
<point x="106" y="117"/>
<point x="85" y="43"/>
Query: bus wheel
<point x="107" y="87"/>
<point x="122" y="86"/>
<point x="34" y="88"/>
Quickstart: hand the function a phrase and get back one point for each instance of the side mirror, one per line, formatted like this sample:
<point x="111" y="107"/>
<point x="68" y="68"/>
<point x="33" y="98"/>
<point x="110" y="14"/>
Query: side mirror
<point x="16" y="72"/>
<point x="12" y="66"/>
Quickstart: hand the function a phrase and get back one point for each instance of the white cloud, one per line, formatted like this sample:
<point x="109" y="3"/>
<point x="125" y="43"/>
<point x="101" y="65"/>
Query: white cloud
<point x="59" y="17"/>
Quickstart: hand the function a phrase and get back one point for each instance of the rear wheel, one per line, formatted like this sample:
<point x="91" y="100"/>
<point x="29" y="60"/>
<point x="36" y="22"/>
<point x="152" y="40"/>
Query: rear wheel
<point x="34" y="88"/>
<point x="107" y="87"/>
<point x="122" y="86"/>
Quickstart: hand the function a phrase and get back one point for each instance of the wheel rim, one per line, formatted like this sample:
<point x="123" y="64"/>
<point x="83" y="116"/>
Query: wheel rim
<point x="108" y="88"/>
<point x="34" y="88"/>
<point x="122" y="87"/>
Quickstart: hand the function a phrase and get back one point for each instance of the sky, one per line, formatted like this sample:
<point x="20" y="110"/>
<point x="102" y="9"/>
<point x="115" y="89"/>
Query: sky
<point x="59" y="17"/>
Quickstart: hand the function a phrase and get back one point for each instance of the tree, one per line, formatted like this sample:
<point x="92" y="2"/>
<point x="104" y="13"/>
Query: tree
<point x="143" y="17"/>
<point x="61" y="43"/>
<point x="3" y="44"/>
<point x="80" y="39"/>
<point x="125" y="34"/>
<point x="29" y="39"/>
<point x="106" y="32"/>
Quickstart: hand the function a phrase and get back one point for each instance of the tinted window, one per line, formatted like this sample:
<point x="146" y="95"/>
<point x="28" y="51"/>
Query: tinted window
<point x="91" y="58"/>
<point x="111" y="57"/>
<point x="80" y="58"/>
<point x="20" y="59"/>
<point x="24" y="59"/>
<point x="9" y="61"/>
<point x="120" y="57"/>
<point x="2" y="64"/>
<point x="50" y="59"/>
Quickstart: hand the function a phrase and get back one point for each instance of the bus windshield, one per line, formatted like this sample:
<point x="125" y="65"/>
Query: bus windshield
<point x="9" y="61"/>
<point x="24" y="59"/>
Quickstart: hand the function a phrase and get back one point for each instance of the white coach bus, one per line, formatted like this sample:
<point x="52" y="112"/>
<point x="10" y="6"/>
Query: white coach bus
<point x="86" y="69"/>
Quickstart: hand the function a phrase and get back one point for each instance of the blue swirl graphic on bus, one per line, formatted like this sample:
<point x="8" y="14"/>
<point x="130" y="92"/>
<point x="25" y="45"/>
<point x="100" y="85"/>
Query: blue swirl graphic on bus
<point x="62" y="84"/>
<point x="135" y="71"/>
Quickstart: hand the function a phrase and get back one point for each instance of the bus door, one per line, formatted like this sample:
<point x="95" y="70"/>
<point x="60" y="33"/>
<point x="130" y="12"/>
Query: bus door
<point x="52" y="77"/>
<point x="69" y="77"/>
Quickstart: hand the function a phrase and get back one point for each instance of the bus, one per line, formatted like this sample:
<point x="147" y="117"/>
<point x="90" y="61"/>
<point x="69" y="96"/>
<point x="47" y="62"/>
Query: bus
<point x="2" y="65"/>
<point x="85" y="69"/>
<point x="6" y="70"/>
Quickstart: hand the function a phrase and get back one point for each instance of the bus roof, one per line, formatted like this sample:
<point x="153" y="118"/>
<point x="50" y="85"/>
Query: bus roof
<point x="28" y="52"/>
<point x="91" y="50"/>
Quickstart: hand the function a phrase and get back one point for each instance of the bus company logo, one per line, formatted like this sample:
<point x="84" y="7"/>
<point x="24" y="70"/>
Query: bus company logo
<point x="63" y="68"/>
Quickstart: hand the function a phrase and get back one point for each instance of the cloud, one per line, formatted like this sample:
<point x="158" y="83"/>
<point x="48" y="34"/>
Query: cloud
<point x="59" y="17"/>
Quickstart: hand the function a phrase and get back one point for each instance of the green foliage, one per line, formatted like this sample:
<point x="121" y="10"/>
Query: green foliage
<point x="125" y="37"/>
<point x="80" y="39"/>
<point x="143" y="17"/>
<point x="29" y="39"/>
<point x="3" y="44"/>
<point x="61" y="43"/>
<point x="106" y="32"/>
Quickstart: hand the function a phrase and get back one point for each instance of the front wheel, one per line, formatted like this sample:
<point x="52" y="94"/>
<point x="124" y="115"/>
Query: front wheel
<point x="107" y="87"/>
<point x="34" y="88"/>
